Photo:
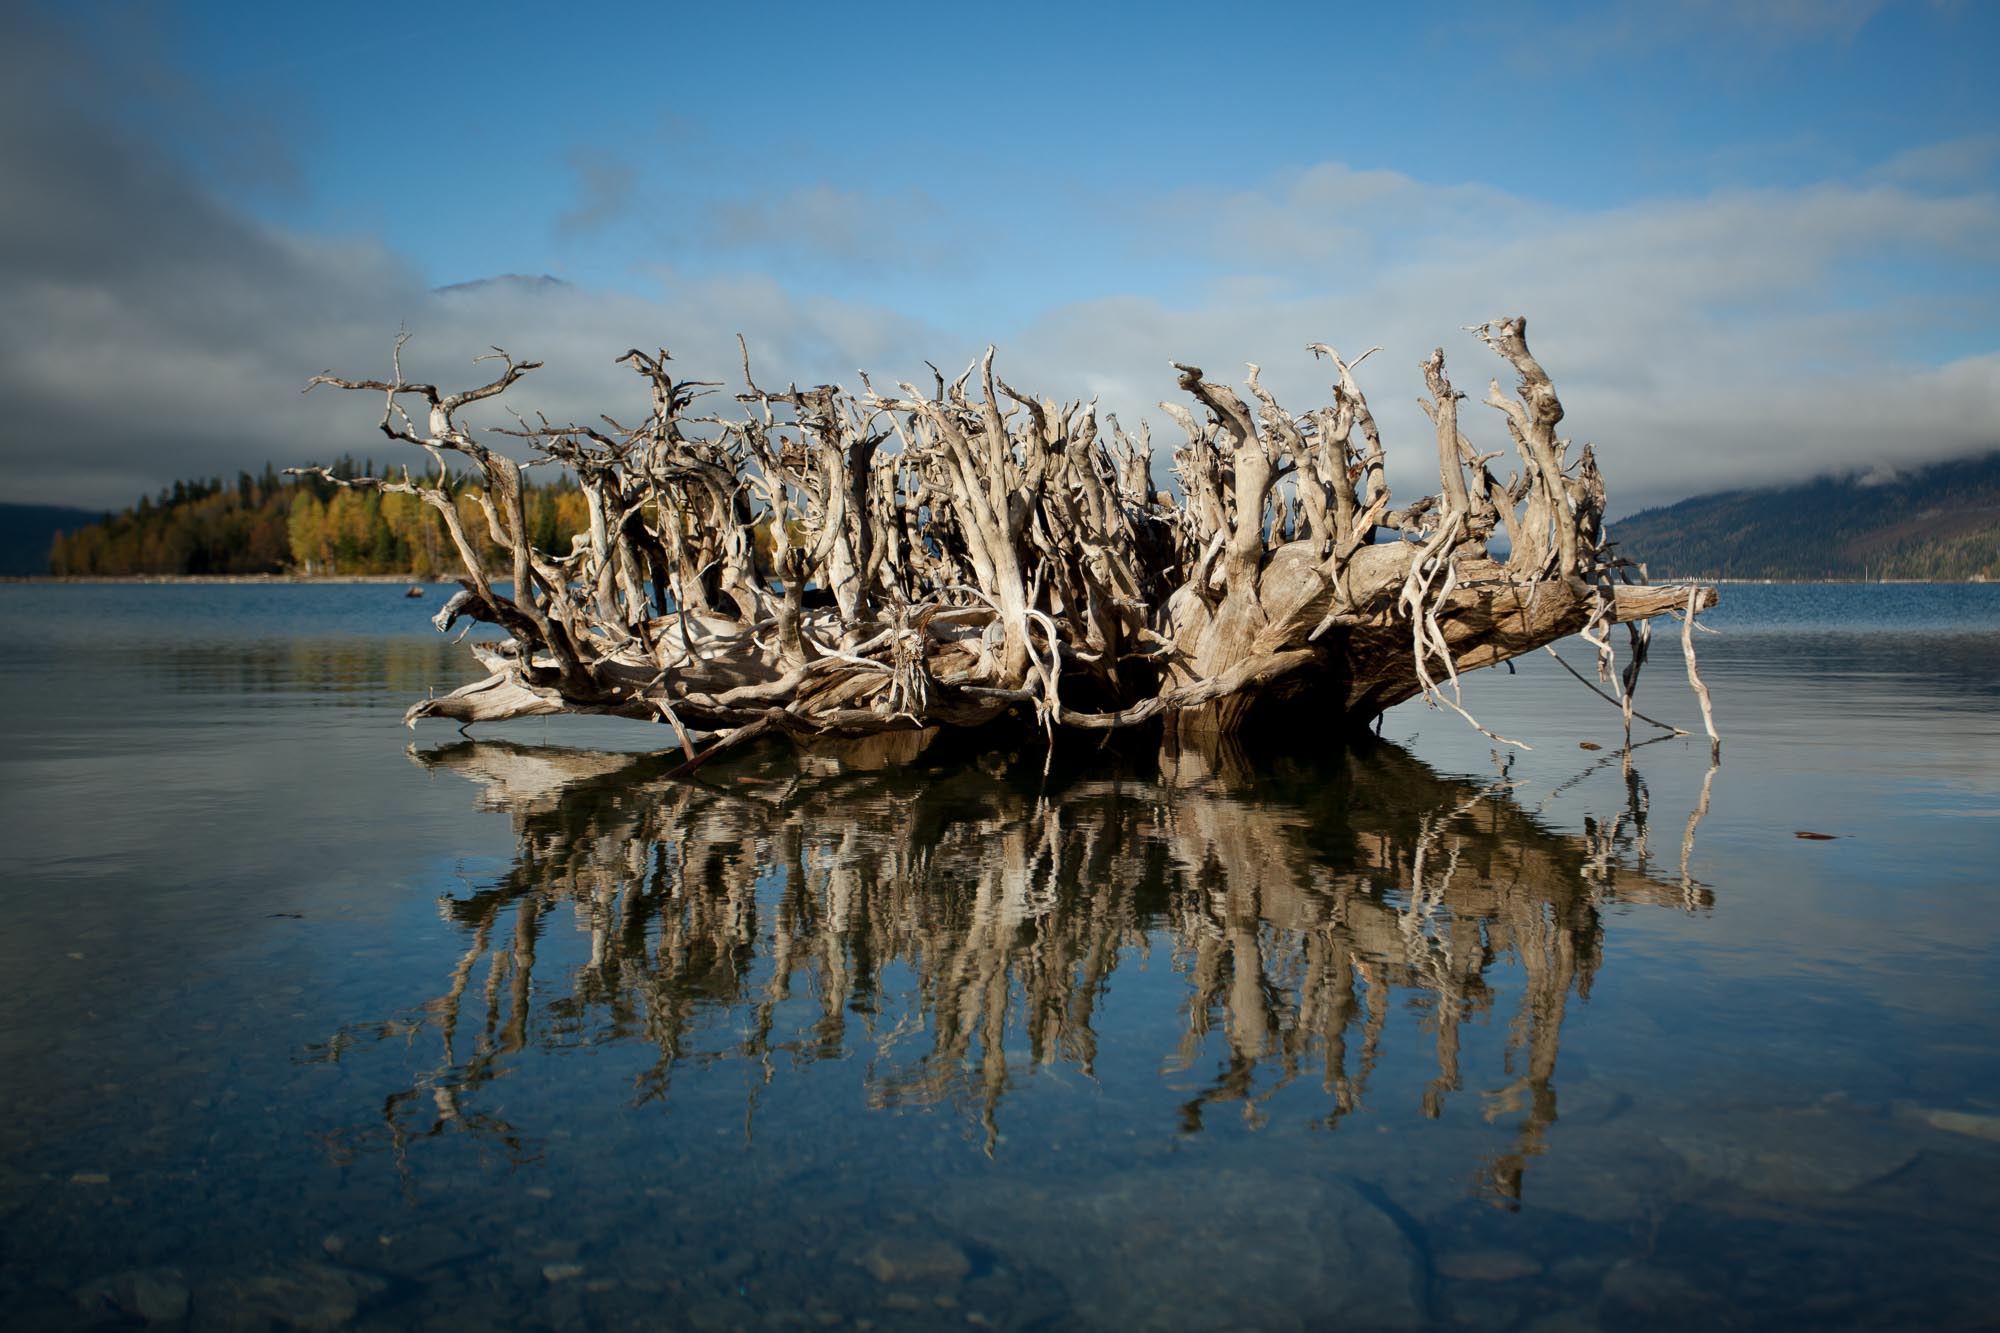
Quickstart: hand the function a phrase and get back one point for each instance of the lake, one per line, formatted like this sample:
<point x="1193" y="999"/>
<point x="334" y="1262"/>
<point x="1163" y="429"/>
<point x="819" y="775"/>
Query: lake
<point x="310" y="1021"/>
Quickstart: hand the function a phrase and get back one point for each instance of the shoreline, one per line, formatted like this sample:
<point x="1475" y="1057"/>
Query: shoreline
<point x="1871" y="583"/>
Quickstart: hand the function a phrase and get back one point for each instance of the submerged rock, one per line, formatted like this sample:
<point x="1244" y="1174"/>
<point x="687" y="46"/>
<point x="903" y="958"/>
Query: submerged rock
<point x="156" y="1295"/>
<point x="427" y="1249"/>
<point x="722" y="1313"/>
<point x="1177" y="1248"/>
<point x="1634" y="1289"/>
<point x="1487" y="1265"/>
<point x="1972" y="1124"/>
<point x="1792" y="1151"/>
<point x="1607" y="1173"/>
<point x="311" y="1296"/>
<point x="914" y="1258"/>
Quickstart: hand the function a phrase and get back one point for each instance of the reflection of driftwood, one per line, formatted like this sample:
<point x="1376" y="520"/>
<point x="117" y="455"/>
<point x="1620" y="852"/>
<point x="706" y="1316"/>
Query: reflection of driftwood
<point x="525" y="780"/>
<point x="1296" y="909"/>
<point x="824" y="563"/>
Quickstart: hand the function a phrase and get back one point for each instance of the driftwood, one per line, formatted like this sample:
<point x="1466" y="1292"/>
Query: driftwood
<point x="826" y="563"/>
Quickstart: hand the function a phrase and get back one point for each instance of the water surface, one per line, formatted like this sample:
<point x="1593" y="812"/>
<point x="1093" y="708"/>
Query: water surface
<point x="308" y="1019"/>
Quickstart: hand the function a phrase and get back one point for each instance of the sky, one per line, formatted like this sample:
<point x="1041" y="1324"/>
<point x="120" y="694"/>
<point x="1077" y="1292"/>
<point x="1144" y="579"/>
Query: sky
<point x="1754" y="241"/>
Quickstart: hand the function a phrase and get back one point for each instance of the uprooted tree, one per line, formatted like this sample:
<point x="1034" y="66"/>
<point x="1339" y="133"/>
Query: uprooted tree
<point x="836" y="564"/>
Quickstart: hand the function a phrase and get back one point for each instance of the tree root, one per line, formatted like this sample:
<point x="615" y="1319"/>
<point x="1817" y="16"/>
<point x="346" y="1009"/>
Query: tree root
<point x="826" y="563"/>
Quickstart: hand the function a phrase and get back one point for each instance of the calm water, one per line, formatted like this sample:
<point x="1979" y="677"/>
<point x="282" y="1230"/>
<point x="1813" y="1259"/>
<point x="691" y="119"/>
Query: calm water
<point x="302" y="1027"/>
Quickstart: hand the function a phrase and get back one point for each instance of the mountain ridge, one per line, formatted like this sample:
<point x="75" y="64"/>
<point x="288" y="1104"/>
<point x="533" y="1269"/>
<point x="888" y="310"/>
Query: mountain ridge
<point x="27" y="530"/>
<point x="1941" y="521"/>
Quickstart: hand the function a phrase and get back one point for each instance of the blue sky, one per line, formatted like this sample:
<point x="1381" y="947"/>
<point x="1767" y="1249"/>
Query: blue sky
<point x="1752" y="240"/>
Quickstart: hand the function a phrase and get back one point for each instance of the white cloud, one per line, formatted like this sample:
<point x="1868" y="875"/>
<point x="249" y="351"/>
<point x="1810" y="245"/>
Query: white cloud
<point x="824" y="224"/>
<point x="1968" y="160"/>
<point x="1699" y="343"/>
<point x="1746" y="336"/>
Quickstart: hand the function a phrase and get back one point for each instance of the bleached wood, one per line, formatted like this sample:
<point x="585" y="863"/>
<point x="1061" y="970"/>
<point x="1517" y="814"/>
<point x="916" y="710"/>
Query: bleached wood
<point x="827" y="563"/>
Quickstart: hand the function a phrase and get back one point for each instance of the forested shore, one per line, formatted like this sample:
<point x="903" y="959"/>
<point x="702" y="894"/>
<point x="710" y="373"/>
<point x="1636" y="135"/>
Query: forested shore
<point x="272" y="524"/>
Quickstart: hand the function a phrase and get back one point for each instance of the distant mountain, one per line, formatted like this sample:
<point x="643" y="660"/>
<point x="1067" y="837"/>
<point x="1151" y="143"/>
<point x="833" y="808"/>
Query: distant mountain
<point x="27" y="530"/>
<point x="1940" y="522"/>
<point x="515" y="282"/>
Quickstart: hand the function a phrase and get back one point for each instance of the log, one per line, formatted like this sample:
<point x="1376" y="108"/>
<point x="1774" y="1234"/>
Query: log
<point x="828" y="564"/>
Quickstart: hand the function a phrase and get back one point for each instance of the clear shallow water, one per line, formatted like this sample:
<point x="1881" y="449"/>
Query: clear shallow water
<point x="300" y="1025"/>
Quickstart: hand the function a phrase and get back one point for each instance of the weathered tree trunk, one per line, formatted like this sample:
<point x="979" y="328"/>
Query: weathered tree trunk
<point x="824" y="563"/>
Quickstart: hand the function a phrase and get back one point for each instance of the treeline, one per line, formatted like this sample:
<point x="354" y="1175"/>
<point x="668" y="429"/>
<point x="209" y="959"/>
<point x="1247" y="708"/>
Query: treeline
<point x="273" y="524"/>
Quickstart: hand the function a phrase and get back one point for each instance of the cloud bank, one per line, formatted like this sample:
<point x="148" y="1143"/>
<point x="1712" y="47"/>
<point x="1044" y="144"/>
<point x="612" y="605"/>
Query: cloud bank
<point x="156" y="330"/>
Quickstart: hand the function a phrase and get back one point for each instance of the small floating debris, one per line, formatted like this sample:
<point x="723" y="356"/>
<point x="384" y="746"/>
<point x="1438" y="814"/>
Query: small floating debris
<point x="1816" y="837"/>
<point x="289" y="916"/>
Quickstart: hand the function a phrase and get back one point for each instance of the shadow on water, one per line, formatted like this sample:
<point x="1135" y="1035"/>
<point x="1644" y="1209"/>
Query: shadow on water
<point x="957" y="927"/>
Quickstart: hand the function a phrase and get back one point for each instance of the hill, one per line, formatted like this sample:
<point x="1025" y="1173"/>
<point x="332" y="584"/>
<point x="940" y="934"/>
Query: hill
<point x="27" y="530"/>
<point x="273" y="524"/>
<point x="1939" y="522"/>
